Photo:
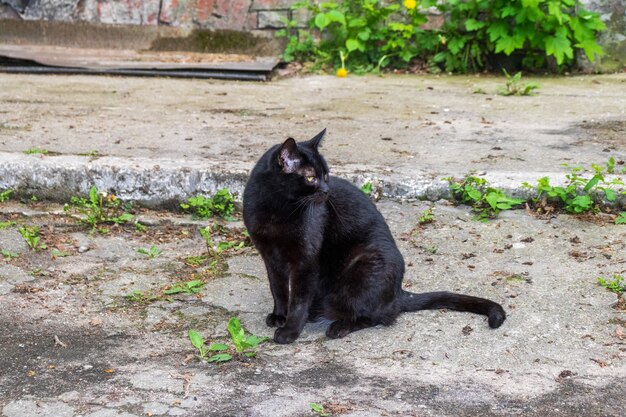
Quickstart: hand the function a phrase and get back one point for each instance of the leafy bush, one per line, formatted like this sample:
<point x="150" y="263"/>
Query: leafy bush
<point x="376" y="33"/>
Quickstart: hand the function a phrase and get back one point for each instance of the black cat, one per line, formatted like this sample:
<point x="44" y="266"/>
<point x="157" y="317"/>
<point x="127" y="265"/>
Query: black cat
<point x="328" y="251"/>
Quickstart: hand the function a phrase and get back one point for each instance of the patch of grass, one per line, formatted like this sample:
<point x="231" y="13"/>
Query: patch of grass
<point x="98" y="208"/>
<point x="486" y="201"/>
<point x="221" y="204"/>
<point x="191" y="287"/>
<point x="140" y="228"/>
<point x="36" y="151"/>
<point x="152" y="252"/>
<point x="32" y="238"/>
<point x="242" y="345"/>
<point x="142" y="298"/>
<point x="514" y="86"/>
<point x="5" y="195"/>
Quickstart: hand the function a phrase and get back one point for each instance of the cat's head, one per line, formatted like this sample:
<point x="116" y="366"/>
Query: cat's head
<point x="304" y="168"/>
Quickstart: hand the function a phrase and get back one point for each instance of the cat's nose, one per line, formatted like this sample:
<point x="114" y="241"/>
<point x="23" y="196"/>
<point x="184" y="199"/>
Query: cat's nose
<point x="324" y="188"/>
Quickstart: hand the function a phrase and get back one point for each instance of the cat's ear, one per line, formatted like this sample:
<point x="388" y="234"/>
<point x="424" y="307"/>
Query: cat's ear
<point x="317" y="139"/>
<point x="289" y="157"/>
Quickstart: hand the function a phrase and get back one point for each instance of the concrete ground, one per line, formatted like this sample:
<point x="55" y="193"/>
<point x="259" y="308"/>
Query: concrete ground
<point x="78" y="340"/>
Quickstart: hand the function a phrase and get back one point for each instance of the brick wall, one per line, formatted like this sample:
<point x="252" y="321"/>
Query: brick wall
<point x="241" y="15"/>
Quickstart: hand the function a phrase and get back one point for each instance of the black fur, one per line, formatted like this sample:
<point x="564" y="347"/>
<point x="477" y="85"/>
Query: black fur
<point x="328" y="251"/>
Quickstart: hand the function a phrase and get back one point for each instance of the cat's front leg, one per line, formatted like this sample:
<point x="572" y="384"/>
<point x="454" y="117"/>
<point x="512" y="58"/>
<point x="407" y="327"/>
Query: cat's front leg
<point x="279" y="286"/>
<point x="303" y="284"/>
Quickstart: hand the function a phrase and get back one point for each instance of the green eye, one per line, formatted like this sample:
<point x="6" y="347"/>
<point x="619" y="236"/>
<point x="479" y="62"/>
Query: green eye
<point x="310" y="179"/>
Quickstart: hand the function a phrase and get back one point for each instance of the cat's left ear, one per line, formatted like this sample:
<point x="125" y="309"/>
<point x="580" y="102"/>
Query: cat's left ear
<point x="317" y="139"/>
<point x="289" y="157"/>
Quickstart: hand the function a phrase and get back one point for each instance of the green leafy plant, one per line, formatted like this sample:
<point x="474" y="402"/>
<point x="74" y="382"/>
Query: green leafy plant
<point x="56" y="253"/>
<point x="428" y="216"/>
<point x="35" y="151"/>
<point x="4" y="225"/>
<point x="5" y="195"/>
<point x="367" y="188"/>
<point x="98" y="208"/>
<point x="486" y="201"/>
<point x="580" y="194"/>
<point x="371" y="34"/>
<point x="319" y="410"/>
<point x="616" y="285"/>
<point x="191" y="287"/>
<point x="621" y="218"/>
<point x="152" y="252"/>
<point x="514" y="86"/>
<point x="141" y="298"/>
<point x="8" y="254"/>
<point x="32" y="238"/>
<point x="244" y="345"/>
<point x="221" y="204"/>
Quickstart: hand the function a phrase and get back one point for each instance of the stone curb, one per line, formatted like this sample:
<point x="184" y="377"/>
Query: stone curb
<point x="166" y="182"/>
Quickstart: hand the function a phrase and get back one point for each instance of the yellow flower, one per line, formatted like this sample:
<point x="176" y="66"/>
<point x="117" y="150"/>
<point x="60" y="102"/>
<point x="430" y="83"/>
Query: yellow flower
<point x="410" y="4"/>
<point x="342" y="72"/>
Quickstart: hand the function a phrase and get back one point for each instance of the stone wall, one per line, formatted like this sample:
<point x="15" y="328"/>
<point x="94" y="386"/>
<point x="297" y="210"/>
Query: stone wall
<point x="240" y="15"/>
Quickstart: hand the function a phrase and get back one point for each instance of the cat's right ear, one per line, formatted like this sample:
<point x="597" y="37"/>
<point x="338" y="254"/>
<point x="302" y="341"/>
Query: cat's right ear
<point x="289" y="157"/>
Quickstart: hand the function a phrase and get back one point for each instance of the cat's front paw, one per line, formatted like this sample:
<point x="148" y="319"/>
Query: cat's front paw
<point x="275" y="320"/>
<point x="338" y="329"/>
<point x="284" y="335"/>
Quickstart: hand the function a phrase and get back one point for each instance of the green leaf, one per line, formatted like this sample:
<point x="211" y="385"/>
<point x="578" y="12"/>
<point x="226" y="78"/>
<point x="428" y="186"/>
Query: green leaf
<point x="218" y="347"/>
<point x="473" y="24"/>
<point x="592" y="182"/>
<point x="621" y="219"/>
<point x="254" y="341"/>
<point x="508" y="44"/>
<point x="353" y="44"/>
<point x="322" y="20"/>
<point x="220" y="357"/>
<point x="336" y="16"/>
<point x="591" y="48"/>
<point x="609" y="194"/>
<point x="93" y="195"/>
<point x="559" y="46"/>
<point x="196" y="340"/>
<point x="497" y="30"/>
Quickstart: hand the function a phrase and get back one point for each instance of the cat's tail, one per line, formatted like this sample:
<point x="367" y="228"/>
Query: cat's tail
<point x="442" y="299"/>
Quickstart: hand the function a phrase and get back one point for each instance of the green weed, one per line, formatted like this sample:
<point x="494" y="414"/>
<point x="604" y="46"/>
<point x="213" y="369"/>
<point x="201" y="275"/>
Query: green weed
<point x="221" y="204"/>
<point x="142" y="298"/>
<point x="367" y="188"/>
<point x="98" y="208"/>
<point x="8" y="254"/>
<point x="616" y="285"/>
<point x="621" y="218"/>
<point x="580" y="194"/>
<point x="428" y="216"/>
<point x="5" y="195"/>
<point x="514" y="87"/>
<point x="191" y="287"/>
<point x="242" y="344"/>
<point x="56" y="253"/>
<point x="4" y="225"/>
<point x="32" y="238"/>
<point x="152" y="252"/>
<point x="319" y="410"/>
<point x="36" y="151"/>
<point x="486" y="201"/>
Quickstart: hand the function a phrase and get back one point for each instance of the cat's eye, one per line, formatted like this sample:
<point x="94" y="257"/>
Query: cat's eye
<point x="310" y="179"/>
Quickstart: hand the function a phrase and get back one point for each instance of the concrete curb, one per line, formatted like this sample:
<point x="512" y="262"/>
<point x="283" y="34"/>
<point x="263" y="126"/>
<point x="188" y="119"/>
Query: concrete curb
<point x="166" y="182"/>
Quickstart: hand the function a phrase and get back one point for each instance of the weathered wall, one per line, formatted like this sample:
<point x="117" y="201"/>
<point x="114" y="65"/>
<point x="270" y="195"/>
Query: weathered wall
<point x="260" y="17"/>
<point x="246" y="15"/>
